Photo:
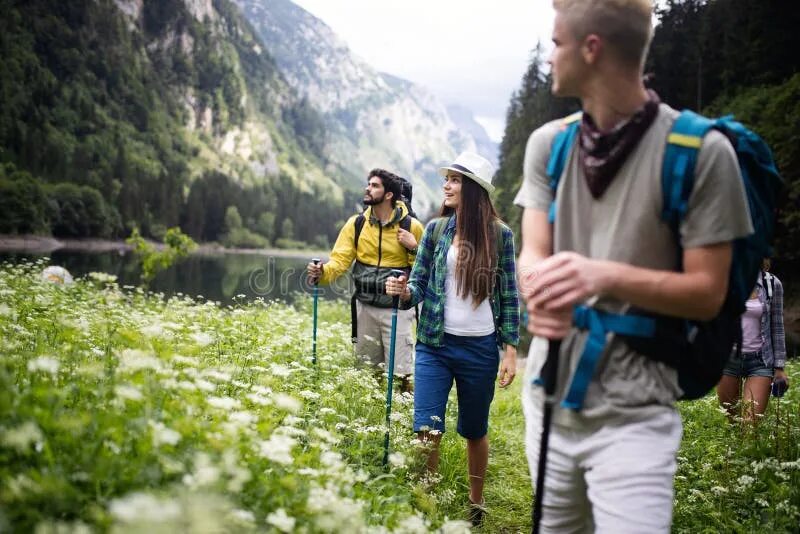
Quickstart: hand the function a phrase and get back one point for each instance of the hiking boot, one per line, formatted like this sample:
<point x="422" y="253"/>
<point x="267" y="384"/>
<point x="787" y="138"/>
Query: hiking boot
<point x="477" y="513"/>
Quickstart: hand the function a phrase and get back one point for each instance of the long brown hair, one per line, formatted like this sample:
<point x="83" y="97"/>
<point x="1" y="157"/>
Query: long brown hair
<point x="477" y="252"/>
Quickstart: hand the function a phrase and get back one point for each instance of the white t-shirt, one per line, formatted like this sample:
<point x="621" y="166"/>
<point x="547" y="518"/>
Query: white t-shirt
<point x="461" y="318"/>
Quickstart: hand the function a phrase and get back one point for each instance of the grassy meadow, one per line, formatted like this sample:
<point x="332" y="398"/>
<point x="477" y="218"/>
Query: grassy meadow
<point x="124" y="411"/>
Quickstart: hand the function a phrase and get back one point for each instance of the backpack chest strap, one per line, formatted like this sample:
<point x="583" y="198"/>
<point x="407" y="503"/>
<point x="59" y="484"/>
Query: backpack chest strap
<point x="599" y="324"/>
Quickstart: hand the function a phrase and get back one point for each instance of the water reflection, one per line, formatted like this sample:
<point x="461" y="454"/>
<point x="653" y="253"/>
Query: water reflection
<point x="218" y="277"/>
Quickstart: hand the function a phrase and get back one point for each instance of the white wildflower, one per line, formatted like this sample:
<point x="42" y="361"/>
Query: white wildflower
<point x="413" y="524"/>
<point x="135" y="360"/>
<point x="45" y="364"/>
<point x="278" y="449"/>
<point x="163" y="435"/>
<point x="219" y="376"/>
<point x="309" y="395"/>
<point x="205" y="385"/>
<point x="281" y="521"/>
<point x="325" y="435"/>
<point x="290" y="431"/>
<point x="22" y="437"/>
<point x="455" y="527"/>
<point x="243" y="418"/>
<point x="280" y="370"/>
<point x="746" y="480"/>
<point x="142" y="507"/>
<point x="293" y="420"/>
<point x="5" y="310"/>
<point x="224" y="403"/>
<point x="128" y="392"/>
<point x="308" y="471"/>
<point x="152" y="330"/>
<point x="334" y="513"/>
<point x="205" y="472"/>
<point x="718" y="490"/>
<point x="397" y="459"/>
<point x="243" y="516"/>
<point x="186" y="385"/>
<point x="255" y="398"/>
<point x="331" y="459"/>
<point x="202" y="339"/>
<point x="103" y="278"/>
<point x="287" y="403"/>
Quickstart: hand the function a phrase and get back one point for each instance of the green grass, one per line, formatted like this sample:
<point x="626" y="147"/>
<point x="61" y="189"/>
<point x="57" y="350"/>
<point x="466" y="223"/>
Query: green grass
<point x="124" y="411"/>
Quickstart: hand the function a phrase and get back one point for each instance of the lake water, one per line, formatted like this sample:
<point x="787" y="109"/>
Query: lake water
<point x="218" y="277"/>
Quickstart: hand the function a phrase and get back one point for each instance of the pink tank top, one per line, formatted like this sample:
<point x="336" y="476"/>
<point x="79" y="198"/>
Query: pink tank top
<point x="751" y="326"/>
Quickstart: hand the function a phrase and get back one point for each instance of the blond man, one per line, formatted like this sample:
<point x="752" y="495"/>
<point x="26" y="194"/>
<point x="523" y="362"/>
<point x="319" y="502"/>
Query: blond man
<point x="611" y="459"/>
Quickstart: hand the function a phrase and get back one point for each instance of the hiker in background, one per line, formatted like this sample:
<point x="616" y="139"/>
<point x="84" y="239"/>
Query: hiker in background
<point x="465" y="277"/>
<point x="752" y="371"/>
<point x="616" y="431"/>
<point x="382" y="238"/>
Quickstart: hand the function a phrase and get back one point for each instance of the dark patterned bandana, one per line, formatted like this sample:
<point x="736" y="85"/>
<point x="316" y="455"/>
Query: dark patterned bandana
<point x="603" y="153"/>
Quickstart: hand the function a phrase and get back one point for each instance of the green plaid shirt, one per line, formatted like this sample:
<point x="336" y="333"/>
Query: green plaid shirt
<point x="427" y="285"/>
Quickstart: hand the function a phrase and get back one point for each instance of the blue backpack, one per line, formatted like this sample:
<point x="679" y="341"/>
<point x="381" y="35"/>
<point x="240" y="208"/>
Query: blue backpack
<point x="698" y="350"/>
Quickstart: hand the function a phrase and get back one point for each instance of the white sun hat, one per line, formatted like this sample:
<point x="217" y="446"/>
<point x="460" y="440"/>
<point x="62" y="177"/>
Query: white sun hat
<point x="473" y="166"/>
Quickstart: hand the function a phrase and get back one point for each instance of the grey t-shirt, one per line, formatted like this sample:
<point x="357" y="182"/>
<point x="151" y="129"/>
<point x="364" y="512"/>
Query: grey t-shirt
<point x="625" y="225"/>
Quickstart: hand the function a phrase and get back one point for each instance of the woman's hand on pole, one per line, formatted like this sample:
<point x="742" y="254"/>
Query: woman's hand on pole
<point x="397" y="286"/>
<point x="508" y="367"/>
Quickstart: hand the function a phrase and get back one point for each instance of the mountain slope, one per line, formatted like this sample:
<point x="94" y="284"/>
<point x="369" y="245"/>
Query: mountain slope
<point x="373" y="119"/>
<point x="171" y="110"/>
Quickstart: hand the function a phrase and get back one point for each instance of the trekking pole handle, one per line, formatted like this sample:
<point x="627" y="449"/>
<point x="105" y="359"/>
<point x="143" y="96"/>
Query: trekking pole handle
<point x="316" y="261"/>
<point x="397" y="273"/>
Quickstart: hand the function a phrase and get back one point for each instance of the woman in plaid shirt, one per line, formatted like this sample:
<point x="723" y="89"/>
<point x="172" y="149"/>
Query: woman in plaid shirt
<point x="465" y="276"/>
<point x="749" y="374"/>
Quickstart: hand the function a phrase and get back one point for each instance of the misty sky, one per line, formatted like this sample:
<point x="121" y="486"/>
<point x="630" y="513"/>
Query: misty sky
<point x="468" y="52"/>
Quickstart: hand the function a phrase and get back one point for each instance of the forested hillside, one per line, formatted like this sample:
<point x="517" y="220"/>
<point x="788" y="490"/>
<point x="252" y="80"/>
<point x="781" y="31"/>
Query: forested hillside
<point x="720" y="57"/>
<point x="117" y="114"/>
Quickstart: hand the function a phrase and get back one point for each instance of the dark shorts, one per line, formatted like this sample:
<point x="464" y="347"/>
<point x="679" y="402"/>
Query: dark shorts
<point x="746" y="365"/>
<point x="472" y="362"/>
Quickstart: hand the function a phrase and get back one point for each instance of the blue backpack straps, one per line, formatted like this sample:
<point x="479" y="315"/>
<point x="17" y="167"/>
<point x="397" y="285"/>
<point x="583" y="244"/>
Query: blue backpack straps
<point x="599" y="323"/>
<point x="559" y="152"/>
<point x="680" y="159"/>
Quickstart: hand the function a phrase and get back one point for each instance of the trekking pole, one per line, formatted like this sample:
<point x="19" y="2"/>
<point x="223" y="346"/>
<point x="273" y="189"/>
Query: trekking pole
<point x="315" y="292"/>
<point x="549" y="375"/>
<point x="395" y="304"/>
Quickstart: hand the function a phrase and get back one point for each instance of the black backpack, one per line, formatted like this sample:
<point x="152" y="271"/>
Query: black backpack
<point x="406" y="194"/>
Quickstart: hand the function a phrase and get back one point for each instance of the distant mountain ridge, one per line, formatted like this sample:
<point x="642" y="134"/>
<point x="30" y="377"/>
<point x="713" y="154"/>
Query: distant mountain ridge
<point x="373" y="119"/>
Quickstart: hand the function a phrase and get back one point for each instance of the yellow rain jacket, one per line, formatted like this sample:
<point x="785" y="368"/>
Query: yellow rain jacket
<point x="378" y="253"/>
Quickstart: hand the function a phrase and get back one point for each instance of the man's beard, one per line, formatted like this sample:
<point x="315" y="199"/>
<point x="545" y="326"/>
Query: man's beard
<point x="373" y="201"/>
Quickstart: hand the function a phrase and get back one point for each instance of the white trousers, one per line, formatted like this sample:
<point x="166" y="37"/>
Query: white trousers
<point x="612" y="478"/>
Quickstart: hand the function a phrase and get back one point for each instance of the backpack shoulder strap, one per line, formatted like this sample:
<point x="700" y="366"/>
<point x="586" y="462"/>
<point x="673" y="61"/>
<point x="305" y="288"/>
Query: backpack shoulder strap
<point x="359" y="225"/>
<point x="680" y="158"/>
<point x="769" y="284"/>
<point x="405" y="223"/>
<point x="438" y="229"/>
<point x="559" y="152"/>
